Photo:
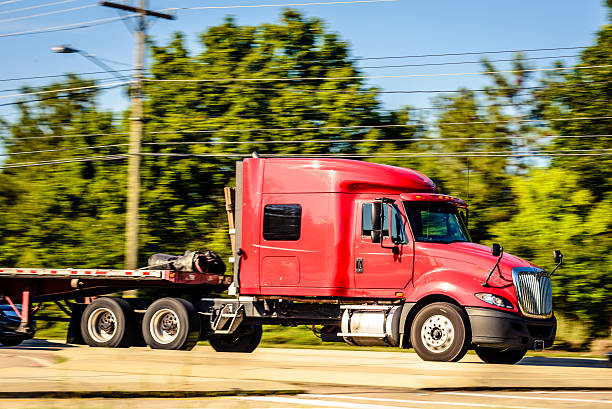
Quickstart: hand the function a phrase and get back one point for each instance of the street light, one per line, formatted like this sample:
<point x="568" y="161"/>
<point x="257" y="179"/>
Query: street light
<point x="65" y="49"/>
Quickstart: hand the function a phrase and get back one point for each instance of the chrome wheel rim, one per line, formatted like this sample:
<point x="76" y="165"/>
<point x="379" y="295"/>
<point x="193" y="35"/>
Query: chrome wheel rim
<point x="437" y="333"/>
<point x="164" y="326"/>
<point x="102" y="325"/>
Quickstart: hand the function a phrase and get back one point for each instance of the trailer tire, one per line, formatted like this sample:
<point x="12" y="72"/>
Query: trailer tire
<point x="498" y="356"/>
<point x="246" y="340"/>
<point x="108" y="322"/>
<point x="439" y="333"/>
<point x="171" y="323"/>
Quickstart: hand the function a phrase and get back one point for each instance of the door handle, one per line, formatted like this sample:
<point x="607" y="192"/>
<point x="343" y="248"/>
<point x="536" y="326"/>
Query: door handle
<point x="359" y="265"/>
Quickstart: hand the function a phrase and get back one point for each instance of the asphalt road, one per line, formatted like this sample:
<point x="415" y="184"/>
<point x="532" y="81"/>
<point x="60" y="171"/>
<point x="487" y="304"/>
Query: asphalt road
<point x="290" y="378"/>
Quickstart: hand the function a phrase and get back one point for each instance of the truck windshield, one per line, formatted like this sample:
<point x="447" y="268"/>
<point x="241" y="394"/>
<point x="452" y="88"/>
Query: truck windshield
<point x="436" y="222"/>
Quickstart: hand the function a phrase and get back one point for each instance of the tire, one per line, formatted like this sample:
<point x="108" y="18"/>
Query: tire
<point x="498" y="356"/>
<point x="171" y="323"/>
<point x="10" y="342"/>
<point x="246" y="340"/>
<point x="440" y="332"/>
<point x="108" y="322"/>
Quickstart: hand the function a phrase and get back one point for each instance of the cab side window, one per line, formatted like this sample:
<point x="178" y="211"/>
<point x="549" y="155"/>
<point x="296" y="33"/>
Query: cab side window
<point x="282" y="222"/>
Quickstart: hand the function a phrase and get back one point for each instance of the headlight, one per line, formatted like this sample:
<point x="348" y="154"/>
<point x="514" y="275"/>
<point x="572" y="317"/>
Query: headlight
<point x="494" y="300"/>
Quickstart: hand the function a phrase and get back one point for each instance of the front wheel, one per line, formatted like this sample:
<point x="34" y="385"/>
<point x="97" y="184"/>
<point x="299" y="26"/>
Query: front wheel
<point x="498" y="356"/>
<point x="171" y="323"/>
<point x="439" y="333"/>
<point x="245" y="340"/>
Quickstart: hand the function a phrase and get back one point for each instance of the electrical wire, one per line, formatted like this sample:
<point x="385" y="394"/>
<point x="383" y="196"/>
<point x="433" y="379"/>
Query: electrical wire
<point x="116" y="84"/>
<point x="9" y="1"/>
<point x="62" y="161"/>
<point x="415" y="124"/>
<point x="37" y="6"/>
<point x="308" y="141"/>
<point x="277" y="5"/>
<point x="334" y="155"/>
<point x="332" y="141"/>
<point x="467" y="62"/>
<point x="48" y="13"/>
<point x="72" y="26"/>
<point x="379" y="76"/>
<point x="64" y="149"/>
<point x="59" y="75"/>
<point x="315" y="128"/>
<point x="525" y="50"/>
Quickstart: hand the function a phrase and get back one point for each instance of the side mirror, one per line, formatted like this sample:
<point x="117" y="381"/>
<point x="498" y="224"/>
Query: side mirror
<point x="495" y="249"/>
<point x="376" y="222"/>
<point x="557" y="257"/>
<point x="376" y="219"/>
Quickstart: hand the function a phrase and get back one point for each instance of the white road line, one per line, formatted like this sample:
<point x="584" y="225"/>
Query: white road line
<point x="486" y="395"/>
<point x="320" y="403"/>
<point x="430" y="402"/>
<point x="601" y="392"/>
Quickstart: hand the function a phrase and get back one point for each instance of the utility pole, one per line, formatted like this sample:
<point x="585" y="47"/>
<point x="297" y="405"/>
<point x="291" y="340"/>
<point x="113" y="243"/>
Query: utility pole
<point x="136" y="119"/>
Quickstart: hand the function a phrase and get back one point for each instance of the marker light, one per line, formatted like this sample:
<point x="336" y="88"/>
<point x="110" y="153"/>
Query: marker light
<point x="494" y="300"/>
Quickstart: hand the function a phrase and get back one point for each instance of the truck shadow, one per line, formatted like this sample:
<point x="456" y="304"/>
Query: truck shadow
<point x="39" y="345"/>
<point x="565" y="362"/>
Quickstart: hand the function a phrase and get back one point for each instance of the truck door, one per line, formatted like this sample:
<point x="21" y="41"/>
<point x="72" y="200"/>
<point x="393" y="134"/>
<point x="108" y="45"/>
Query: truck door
<point x="386" y="266"/>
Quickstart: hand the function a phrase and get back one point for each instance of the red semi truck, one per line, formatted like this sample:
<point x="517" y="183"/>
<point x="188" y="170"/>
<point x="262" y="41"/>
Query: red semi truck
<point x="372" y="254"/>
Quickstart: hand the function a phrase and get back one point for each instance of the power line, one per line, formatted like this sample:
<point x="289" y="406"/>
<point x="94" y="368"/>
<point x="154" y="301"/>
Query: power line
<point x="59" y="75"/>
<point x="101" y="80"/>
<point x="276" y="5"/>
<point x="377" y="76"/>
<point x="37" y="6"/>
<point x="336" y="155"/>
<point x="378" y="126"/>
<point x="472" y="53"/>
<point x="304" y="141"/>
<point x="467" y="62"/>
<point x="48" y="13"/>
<point x="66" y="89"/>
<point x="9" y="1"/>
<point x="72" y="26"/>
<point x="61" y="161"/>
<point x="416" y="124"/>
<point x="63" y="150"/>
<point x="309" y="141"/>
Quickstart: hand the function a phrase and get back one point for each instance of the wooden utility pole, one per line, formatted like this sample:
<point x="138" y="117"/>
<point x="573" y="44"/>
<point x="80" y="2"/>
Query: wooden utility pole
<point x="133" y="182"/>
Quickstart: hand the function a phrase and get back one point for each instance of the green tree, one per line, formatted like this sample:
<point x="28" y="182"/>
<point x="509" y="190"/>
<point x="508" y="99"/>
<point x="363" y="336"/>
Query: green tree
<point x="183" y="197"/>
<point x="67" y="214"/>
<point x="556" y="211"/>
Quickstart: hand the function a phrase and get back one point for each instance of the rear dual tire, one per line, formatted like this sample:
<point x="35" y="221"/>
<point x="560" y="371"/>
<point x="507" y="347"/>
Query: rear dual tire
<point x="108" y="322"/>
<point x="171" y="323"/>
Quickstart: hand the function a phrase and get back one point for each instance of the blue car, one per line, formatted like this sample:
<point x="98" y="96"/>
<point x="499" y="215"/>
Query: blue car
<point x="9" y="323"/>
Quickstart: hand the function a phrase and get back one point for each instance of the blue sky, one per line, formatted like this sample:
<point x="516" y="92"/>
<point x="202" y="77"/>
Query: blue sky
<point x="403" y="27"/>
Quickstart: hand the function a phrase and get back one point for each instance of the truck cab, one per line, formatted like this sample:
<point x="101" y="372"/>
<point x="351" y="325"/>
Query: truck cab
<point x="383" y="237"/>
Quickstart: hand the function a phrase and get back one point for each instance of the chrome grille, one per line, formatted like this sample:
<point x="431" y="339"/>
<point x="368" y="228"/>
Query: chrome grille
<point x="533" y="291"/>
